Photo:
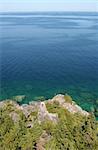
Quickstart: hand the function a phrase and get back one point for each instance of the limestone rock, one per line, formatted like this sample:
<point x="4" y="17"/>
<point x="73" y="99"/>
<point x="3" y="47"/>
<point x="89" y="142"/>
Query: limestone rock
<point x="71" y="107"/>
<point x="43" y="114"/>
<point x="15" y="117"/>
<point x="28" y="109"/>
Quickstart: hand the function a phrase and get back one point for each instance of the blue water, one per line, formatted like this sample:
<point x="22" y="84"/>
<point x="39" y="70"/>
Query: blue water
<point x="43" y="54"/>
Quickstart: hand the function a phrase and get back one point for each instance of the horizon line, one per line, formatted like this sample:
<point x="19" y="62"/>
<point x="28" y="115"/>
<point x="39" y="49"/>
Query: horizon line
<point x="48" y="11"/>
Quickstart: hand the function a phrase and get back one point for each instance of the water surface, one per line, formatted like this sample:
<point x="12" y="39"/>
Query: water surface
<point x="43" y="54"/>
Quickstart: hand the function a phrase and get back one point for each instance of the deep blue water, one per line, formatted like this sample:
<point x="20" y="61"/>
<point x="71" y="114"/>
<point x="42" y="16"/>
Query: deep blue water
<point x="47" y="53"/>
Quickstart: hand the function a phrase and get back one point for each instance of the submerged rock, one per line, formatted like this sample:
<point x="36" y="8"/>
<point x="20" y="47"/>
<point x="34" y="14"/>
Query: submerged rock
<point x="39" y="98"/>
<point x="96" y="102"/>
<point x="19" y="98"/>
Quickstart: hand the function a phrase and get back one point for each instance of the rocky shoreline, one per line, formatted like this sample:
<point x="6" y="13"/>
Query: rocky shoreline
<point x="64" y="101"/>
<point x="54" y="124"/>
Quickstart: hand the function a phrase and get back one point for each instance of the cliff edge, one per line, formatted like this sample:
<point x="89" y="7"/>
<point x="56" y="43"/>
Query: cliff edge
<point x="54" y="124"/>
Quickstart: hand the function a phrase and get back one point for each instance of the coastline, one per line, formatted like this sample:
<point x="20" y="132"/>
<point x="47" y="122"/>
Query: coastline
<point x="46" y="124"/>
<point x="19" y="99"/>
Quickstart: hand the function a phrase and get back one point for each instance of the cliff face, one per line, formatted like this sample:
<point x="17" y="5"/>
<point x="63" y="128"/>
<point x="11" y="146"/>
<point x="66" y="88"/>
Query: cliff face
<point x="58" y="123"/>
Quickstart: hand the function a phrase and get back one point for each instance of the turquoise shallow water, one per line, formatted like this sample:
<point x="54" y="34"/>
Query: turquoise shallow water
<point x="43" y="54"/>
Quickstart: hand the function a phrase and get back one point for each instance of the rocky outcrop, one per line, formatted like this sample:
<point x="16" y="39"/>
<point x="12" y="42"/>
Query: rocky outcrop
<point x="58" y="123"/>
<point x="28" y="109"/>
<point x="71" y="107"/>
<point x="43" y="114"/>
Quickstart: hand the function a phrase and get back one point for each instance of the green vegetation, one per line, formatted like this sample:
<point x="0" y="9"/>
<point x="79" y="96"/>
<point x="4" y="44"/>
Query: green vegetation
<point x="71" y="132"/>
<point x="16" y="136"/>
